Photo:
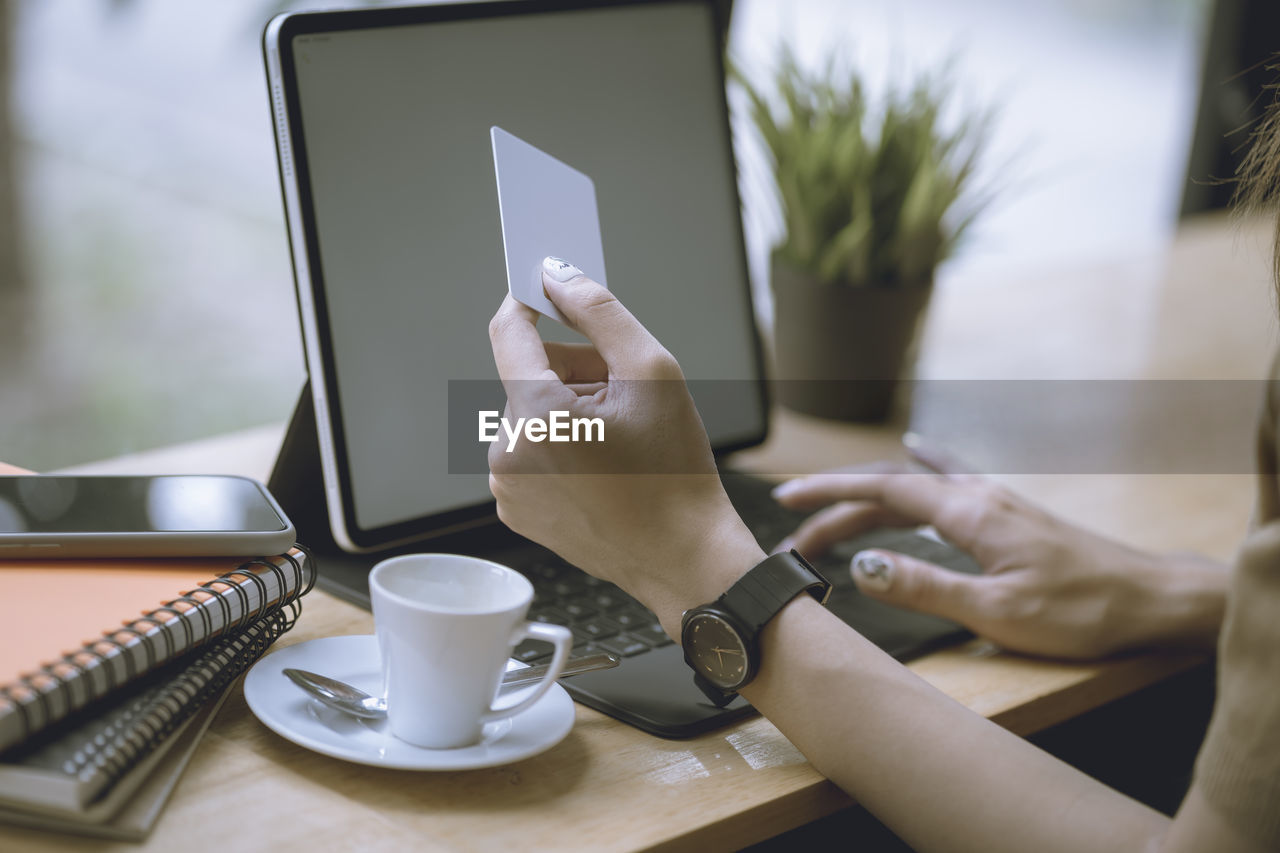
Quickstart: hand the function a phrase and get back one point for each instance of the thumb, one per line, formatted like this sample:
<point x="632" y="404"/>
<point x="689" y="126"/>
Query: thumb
<point x="591" y="309"/>
<point x="917" y="585"/>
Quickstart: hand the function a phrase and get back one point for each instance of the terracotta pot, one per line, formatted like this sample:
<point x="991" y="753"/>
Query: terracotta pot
<point x="840" y="351"/>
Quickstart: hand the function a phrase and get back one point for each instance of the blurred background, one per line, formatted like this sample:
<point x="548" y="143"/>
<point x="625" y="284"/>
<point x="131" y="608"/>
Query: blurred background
<point x="146" y="295"/>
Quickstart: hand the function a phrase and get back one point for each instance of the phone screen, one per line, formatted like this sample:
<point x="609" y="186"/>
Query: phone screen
<point x="169" y="504"/>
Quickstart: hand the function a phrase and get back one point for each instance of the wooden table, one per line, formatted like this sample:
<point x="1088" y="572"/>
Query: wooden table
<point x="1200" y="308"/>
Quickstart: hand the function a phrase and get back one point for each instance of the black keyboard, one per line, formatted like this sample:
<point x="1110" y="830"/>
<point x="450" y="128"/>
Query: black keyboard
<point x="602" y="617"/>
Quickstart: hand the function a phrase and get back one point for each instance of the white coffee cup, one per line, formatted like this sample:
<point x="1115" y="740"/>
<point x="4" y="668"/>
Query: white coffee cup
<point x="446" y="625"/>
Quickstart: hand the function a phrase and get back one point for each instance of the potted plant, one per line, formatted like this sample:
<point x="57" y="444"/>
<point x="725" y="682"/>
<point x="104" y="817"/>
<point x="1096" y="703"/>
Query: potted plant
<point x="874" y="195"/>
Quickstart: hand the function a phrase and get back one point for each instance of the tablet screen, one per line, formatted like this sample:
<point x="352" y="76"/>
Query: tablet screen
<point x="391" y="135"/>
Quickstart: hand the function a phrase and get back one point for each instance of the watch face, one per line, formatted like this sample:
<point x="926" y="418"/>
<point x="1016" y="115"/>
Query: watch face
<point x="715" y="650"/>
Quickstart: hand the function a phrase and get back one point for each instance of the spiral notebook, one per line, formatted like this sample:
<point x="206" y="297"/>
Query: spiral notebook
<point x="80" y="774"/>
<point x="62" y="649"/>
<point x="131" y="810"/>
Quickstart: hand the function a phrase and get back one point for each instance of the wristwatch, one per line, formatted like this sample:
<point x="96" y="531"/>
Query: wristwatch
<point x="721" y="639"/>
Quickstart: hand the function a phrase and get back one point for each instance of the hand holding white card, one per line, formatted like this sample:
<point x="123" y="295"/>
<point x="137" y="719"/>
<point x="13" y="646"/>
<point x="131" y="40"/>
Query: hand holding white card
<point x="548" y="209"/>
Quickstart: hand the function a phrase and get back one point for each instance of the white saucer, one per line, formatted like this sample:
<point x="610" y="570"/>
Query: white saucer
<point x="288" y="712"/>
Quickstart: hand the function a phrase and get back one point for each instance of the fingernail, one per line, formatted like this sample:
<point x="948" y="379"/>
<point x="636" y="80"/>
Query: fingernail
<point x="784" y="546"/>
<point x="872" y="571"/>
<point x="560" y="269"/>
<point x="784" y="489"/>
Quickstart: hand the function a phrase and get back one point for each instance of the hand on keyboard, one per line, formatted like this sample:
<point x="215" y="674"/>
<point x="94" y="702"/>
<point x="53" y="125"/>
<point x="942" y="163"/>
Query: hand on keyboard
<point x="1048" y="587"/>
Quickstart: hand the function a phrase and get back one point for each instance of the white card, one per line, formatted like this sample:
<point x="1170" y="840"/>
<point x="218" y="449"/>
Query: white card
<point x="547" y="209"/>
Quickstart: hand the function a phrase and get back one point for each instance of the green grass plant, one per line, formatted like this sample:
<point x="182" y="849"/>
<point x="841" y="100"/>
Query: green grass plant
<point x="873" y="192"/>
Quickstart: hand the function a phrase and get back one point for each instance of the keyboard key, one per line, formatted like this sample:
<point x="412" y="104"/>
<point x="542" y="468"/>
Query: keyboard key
<point x="652" y="634"/>
<point x="597" y="628"/>
<point x="579" y="608"/>
<point x="547" y="571"/>
<point x="632" y="617"/>
<point x="624" y="646"/>
<point x="613" y="598"/>
<point x="567" y="587"/>
<point x="551" y="614"/>
<point x="530" y="651"/>
<point x="583" y="649"/>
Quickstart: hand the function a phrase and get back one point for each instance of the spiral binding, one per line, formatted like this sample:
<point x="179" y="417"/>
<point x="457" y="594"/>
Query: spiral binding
<point x="170" y="706"/>
<point x="45" y="695"/>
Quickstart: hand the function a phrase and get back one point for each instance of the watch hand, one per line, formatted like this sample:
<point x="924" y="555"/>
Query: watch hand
<point x="727" y="651"/>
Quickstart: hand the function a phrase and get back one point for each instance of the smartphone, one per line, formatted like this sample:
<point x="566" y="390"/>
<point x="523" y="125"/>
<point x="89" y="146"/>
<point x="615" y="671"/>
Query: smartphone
<point x="201" y="515"/>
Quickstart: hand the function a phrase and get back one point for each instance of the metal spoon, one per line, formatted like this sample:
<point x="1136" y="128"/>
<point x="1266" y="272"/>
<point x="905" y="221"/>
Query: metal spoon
<point x="343" y="697"/>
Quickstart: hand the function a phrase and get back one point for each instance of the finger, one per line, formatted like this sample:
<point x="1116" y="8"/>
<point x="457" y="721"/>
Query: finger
<point x="518" y="350"/>
<point x="812" y="491"/>
<point x="576" y="363"/>
<point x="495" y="458"/>
<point x="800" y="492"/>
<point x="831" y="526"/>
<point x="955" y="507"/>
<point x="587" y="389"/>
<point x="936" y="459"/>
<point x="919" y="585"/>
<point x="625" y="344"/>
<point x="918" y="496"/>
<point x="500" y="462"/>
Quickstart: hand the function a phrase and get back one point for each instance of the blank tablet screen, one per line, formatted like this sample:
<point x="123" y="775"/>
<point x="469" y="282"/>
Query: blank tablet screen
<point x="399" y="176"/>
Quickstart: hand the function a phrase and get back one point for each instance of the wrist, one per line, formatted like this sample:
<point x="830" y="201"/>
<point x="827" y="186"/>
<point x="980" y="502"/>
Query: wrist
<point x="711" y="559"/>
<point x="1182" y="599"/>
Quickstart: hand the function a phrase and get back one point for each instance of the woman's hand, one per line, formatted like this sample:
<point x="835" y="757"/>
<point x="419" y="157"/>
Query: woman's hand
<point x="1047" y="588"/>
<point x="643" y="508"/>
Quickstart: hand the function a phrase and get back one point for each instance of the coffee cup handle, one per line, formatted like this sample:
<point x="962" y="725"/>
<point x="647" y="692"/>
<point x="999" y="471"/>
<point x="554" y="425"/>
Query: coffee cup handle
<point x="563" y="641"/>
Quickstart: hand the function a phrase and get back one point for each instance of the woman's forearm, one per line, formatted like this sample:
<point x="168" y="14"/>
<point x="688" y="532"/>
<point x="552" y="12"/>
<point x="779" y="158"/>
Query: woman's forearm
<point x="935" y="772"/>
<point x="938" y="774"/>
<point x="941" y="776"/>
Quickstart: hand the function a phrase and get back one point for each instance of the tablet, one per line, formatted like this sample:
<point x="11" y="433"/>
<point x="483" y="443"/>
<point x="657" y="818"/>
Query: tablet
<point x="382" y="120"/>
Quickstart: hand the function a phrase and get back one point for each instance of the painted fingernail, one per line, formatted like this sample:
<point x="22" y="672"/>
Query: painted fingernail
<point x="872" y="571"/>
<point x="560" y="269"/>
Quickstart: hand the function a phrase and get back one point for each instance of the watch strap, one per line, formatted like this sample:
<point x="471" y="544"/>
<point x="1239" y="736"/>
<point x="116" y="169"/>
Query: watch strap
<point x="762" y="592"/>
<point x="714" y="694"/>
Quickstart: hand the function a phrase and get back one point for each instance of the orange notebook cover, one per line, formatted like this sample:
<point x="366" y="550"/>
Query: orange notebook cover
<point x="55" y="607"/>
<point x="74" y="630"/>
